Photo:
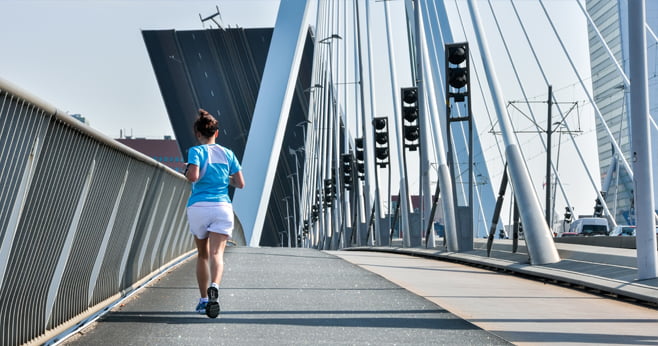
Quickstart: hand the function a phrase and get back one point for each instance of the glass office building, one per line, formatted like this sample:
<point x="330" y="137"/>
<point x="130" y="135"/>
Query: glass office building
<point x="612" y="99"/>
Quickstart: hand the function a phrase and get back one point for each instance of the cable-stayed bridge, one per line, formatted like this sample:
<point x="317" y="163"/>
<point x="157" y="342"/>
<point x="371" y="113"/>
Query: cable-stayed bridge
<point x="360" y="120"/>
<point x="399" y="97"/>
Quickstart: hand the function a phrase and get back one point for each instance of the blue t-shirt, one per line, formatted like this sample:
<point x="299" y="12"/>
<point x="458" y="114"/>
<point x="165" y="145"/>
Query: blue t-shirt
<point x="216" y="164"/>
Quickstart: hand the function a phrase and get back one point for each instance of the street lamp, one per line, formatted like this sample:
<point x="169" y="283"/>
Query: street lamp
<point x="299" y="186"/>
<point x="335" y="142"/>
<point x="326" y="39"/>
<point x="344" y="83"/>
<point x="212" y="17"/>
<point x="303" y="125"/>
<point x="294" y="209"/>
<point x="287" y="218"/>
<point x="281" y="234"/>
<point x="294" y="153"/>
<point x="312" y="87"/>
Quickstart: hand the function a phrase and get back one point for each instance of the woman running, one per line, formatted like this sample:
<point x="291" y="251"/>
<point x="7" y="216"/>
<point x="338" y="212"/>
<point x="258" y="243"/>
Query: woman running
<point x="211" y="168"/>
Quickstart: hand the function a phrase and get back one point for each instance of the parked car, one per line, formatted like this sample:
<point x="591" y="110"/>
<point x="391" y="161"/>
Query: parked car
<point x="623" y="231"/>
<point x="567" y="234"/>
<point x="590" y="226"/>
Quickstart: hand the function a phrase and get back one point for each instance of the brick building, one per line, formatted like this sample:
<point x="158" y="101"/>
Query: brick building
<point x="163" y="150"/>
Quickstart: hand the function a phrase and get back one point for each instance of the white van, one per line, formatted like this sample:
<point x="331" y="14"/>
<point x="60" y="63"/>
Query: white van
<point x="590" y="226"/>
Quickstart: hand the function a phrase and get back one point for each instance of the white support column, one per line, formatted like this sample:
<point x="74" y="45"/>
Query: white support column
<point x="372" y="182"/>
<point x="403" y="198"/>
<point x="443" y="173"/>
<point x="539" y="239"/>
<point x="641" y="144"/>
<point x="270" y="117"/>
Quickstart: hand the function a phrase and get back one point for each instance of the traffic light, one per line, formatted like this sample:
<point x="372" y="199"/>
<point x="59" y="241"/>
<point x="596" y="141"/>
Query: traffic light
<point x="457" y="70"/>
<point x="598" y="208"/>
<point x="568" y="216"/>
<point x="347" y="171"/>
<point x="315" y="213"/>
<point x="307" y="227"/>
<point x="329" y="193"/>
<point x="381" y="141"/>
<point x="410" y="117"/>
<point x="315" y="209"/>
<point x="360" y="163"/>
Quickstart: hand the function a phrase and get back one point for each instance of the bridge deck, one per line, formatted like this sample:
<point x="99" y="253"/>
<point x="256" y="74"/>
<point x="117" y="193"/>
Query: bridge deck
<point x="302" y="296"/>
<point x="280" y="296"/>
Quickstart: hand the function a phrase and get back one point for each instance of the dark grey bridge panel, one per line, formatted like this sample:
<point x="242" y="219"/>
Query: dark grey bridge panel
<point x="220" y="71"/>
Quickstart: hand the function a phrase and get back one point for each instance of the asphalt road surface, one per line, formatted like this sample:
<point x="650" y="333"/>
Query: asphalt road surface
<point x="281" y="296"/>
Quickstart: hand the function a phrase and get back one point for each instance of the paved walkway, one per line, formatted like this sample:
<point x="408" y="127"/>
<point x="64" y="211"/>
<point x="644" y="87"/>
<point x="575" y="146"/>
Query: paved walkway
<point x="607" y="269"/>
<point x="522" y="311"/>
<point x="280" y="296"/>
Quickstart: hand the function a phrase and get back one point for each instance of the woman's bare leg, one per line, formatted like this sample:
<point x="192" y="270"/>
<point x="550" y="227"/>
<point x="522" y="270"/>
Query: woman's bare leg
<point x="202" y="275"/>
<point x="216" y="256"/>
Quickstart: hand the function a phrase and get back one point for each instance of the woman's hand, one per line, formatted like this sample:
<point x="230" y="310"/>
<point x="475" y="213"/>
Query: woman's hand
<point x="192" y="173"/>
<point x="236" y="180"/>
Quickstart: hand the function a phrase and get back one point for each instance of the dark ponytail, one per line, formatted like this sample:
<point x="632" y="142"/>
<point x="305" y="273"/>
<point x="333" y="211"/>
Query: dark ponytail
<point x="205" y="124"/>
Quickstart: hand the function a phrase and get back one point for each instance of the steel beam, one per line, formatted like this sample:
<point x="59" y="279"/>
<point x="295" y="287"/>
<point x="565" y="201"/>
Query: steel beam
<point x="641" y="144"/>
<point x="268" y="124"/>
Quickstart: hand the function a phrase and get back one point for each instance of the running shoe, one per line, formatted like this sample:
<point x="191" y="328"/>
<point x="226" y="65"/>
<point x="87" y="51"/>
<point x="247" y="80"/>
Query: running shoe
<point x="201" y="307"/>
<point x="212" y="308"/>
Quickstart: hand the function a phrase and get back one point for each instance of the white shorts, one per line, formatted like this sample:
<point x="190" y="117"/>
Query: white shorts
<point x="205" y="217"/>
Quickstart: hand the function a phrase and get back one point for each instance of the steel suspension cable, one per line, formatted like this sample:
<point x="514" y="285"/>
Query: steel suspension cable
<point x="597" y="111"/>
<point x="436" y="54"/>
<point x="627" y="82"/>
<point x="477" y="78"/>
<point x="516" y="136"/>
<point x="309" y="134"/>
<point x="525" y="97"/>
<point x="591" y="100"/>
<point x="543" y="73"/>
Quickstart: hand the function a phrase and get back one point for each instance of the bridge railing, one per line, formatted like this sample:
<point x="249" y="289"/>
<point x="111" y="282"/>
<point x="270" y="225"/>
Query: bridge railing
<point x="83" y="219"/>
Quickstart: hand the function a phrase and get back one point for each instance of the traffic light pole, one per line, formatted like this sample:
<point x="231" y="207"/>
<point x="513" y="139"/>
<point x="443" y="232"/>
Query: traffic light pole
<point x="458" y="89"/>
<point x="410" y="120"/>
<point x="409" y="237"/>
<point x="464" y="213"/>
<point x="381" y="144"/>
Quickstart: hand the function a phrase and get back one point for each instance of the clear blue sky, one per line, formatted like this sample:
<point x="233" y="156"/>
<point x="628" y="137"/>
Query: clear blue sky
<point x="88" y="56"/>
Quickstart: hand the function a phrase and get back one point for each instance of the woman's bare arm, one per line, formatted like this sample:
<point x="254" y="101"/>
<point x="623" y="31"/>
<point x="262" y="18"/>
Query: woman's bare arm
<point x="192" y="173"/>
<point x="236" y="180"/>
